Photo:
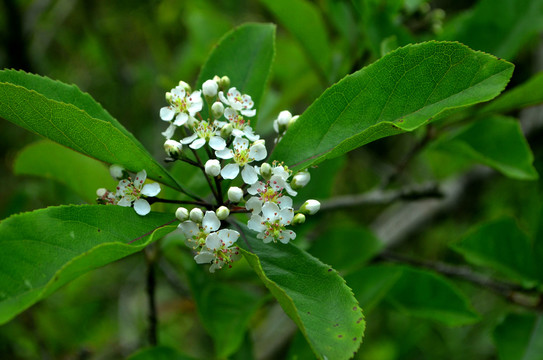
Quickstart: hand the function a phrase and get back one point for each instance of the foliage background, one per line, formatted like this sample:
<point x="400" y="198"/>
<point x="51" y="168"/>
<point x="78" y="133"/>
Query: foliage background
<point x="127" y="54"/>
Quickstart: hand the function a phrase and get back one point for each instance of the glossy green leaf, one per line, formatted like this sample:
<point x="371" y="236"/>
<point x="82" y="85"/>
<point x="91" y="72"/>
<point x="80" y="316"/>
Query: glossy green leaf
<point x="428" y="295"/>
<point x="400" y="92"/>
<point x="160" y="352"/>
<point x="372" y="283"/>
<point x="527" y="94"/>
<point x="44" y="249"/>
<point x="80" y="173"/>
<point x="520" y="337"/>
<point x="311" y="293"/>
<point x="72" y="118"/>
<point x="499" y="27"/>
<point x="304" y="21"/>
<point x="501" y="246"/>
<point x="497" y="142"/>
<point x="245" y="55"/>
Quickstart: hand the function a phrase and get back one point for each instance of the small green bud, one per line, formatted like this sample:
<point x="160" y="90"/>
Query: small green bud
<point x="118" y="172"/>
<point x="226" y="131"/>
<point x="266" y="171"/>
<point x="196" y="215"/>
<point x="235" y="194"/>
<point x="222" y="212"/>
<point x="182" y="214"/>
<point x="173" y="148"/>
<point x="310" y="207"/>
<point x="185" y="86"/>
<point x="225" y="83"/>
<point x="300" y="180"/>
<point x="217" y="109"/>
<point x="169" y="97"/>
<point x="292" y="120"/>
<point x="298" y="219"/>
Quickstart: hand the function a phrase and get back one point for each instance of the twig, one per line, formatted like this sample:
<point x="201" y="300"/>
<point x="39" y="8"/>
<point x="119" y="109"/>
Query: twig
<point x="383" y="197"/>
<point x="152" y="200"/>
<point x="513" y="293"/>
<point x="150" y="257"/>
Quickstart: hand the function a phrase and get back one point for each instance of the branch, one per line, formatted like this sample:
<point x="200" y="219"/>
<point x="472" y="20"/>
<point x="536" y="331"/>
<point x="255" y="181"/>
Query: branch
<point x="513" y="293"/>
<point x="150" y="257"/>
<point x="383" y="197"/>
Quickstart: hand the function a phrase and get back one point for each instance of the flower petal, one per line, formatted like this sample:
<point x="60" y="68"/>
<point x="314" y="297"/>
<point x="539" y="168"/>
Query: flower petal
<point x="189" y="228"/>
<point x="213" y="241"/>
<point x="204" y="257"/>
<point x="168" y="133"/>
<point x="181" y="119"/>
<point x="254" y="204"/>
<point x="167" y="113"/>
<point x="140" y="179"/>
<point x="258" y="152"/>
<point x="151" y="189"/>
<point x="217" y="143"/>
<point x="224" y="154"/>
<point x="249" y="175"/>
<point x="270" y="211"/>
<point x="142" y="207"/>
<point x="256" y="223"/>
<point x="240" y="143"/>
<point x="210" y="222"/>
<point x="228" y="236"/>
<point x="198" y="143"/>
<point x="230" y="171"/>
<point x="285" y="216"/>
<point x="248" y="113"/>
<point x="189" y="139"/>
<point x="285" y="202"/>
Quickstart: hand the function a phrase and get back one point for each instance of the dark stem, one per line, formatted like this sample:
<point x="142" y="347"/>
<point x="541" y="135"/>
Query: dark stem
<point x="150" y="257"/>
<point x="152" y="231"/>
<point x="152" y="200"/>
<point x="513" y="293"/>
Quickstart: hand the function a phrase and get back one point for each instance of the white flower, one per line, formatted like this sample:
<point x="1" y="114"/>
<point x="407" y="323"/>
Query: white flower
<point x="242" y="155"/>
<point x="130" y="192"/>
<point x="218" y="250"/>
<point x="197" y="233"/>
<point x="210" y="88"/>
<point x="213" y="167"/>
<point x="235" y="194"/>
<point x="271" y="226"/>
<point x="241" y="127"/>
<point x="116" y="171"/>
<point x="182" y="105"/>
<point x="205" y="132"/>
<point x="238" y="102"/>
<point x="269" y="191"/>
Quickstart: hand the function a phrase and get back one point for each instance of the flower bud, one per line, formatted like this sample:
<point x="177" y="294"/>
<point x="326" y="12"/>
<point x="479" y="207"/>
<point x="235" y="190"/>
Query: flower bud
<point x="298" y="219"/>
<point x="225" y="83"/>
<point x="226" y="131"/>
<point x="185" y="86"/>
<point x="213" y="167"/>
<point x="217" y="109"/>
<point x="300" y="180"/>
<point x="235" y="194"/>
<point x="222" y="212"/>
<point x="310" y="207"/>
<point x="293" y="120"/>
<point x="169" y="97"/>
<point x="217" y="79"/>
<point x="117" y="172"/>
<point x="284" y="117"/>
<point x="196" y="215"/>
<point x="173" y="148"/>
<point x="210" y="88"/>
<point x="101" y="192"/>
<point x="181" y="214"/>
<point x="266" y="171"/>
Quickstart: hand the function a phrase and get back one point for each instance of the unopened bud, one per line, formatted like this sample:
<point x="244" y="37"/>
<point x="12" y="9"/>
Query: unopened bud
<point x="266" y="171"/>
<point x="181" y="214"/>
<point x="210" y="88"/>
<point x="185" y="86"/>
<point x="226" y="131"/>
<point x="310" y="207"/>
<point x="281" y="123"/>
<point x="117" y="172"/>
<point x="169" y="97"/>
<point x="300" y="180"/>
<point x="173" y="148"/>
<point x="217" y="79"/>
<point x="217" y="109"/>
<point x="235" y="194"/>
<point x="101" y="192"/>
<point x="213" y="167"/>
<point x="298" y="219"/>
<point x="196" y="215"/>
<point x="224" y="83"/>
<point x="222" y="212"/>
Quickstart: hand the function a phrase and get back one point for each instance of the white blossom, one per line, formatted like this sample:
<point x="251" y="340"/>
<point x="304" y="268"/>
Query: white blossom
<point x="129" y="193"/>
<point x="218" y="249"/>
<point x="205" y="132"/>
<point x="238" y="102"/>
<point x="310" y="207"/>
<point x="268" y="191"/>
<point x="271" y="226"/>
<point x="182" y="105"/>
<point x="240" y="126"/>
<point x="242" y="155"/>
<point x="281" y="123"/>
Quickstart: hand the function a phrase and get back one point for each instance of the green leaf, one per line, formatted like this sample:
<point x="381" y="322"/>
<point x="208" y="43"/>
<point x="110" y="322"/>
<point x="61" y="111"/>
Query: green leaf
<point x="501" y="246"/>
<point x="160" y="352"/>
<point x="44" y="249"/>
<point x="527" y="94"/>
<point x="225" y="311"/>
<point x="520" y="337"/>
<point x="430" y="296"/>
<point x="311" y="293"/>
<point x="245" y="55"/>
<point x="371" y="284"/>
<point x="64" y="114"/>
<point x="304" y="21"/>
<point x="496" y="141"/>
<point x="53" y="161"/>
<point x="400" y="92"/>
<point x="499" y="27"/>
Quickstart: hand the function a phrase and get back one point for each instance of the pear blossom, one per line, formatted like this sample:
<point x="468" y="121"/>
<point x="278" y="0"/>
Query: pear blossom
<point x="271" y="226"/>
<point x="205" y="132"/>
<point x="130" y="192"/>
<point x="242" y="155"/>
<point x="238" y="102"/>
<point x="218" y="249"/>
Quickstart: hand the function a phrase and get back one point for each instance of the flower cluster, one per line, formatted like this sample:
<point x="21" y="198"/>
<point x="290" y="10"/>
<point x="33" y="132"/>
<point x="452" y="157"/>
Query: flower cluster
<point x="233" y="154"/>
<point x="129" y="192"/>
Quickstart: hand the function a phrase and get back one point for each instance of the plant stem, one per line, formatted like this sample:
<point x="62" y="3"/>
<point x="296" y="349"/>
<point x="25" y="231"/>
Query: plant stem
<point x="150" y="257"/>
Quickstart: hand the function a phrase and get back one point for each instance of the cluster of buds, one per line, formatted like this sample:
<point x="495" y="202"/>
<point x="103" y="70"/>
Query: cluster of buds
<point x="129" y="192"/>
<point x="233" y="151"/>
